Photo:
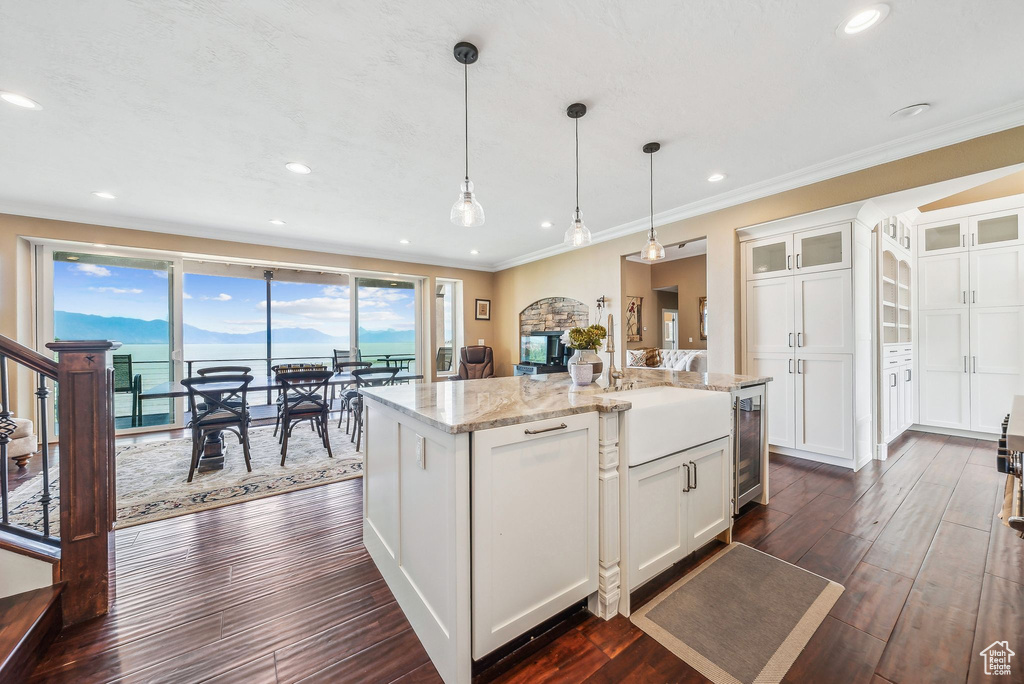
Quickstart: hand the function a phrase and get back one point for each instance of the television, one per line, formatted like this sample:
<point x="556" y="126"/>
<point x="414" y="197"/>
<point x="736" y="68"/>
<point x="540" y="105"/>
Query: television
<point x="543" y="348"/>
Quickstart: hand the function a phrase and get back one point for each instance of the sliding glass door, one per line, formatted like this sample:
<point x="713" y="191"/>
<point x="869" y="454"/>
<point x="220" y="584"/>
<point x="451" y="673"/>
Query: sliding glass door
<point x="386" y="322"/>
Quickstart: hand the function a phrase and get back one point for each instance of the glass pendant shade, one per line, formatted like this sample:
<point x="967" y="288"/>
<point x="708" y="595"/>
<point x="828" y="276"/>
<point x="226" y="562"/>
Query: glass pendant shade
<point x="466" y="211"/>
<point x="578" y="234"/>
<point x="652" y="251"/>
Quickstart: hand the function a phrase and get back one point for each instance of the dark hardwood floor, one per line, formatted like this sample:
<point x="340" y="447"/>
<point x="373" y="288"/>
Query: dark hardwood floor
<point x="281" y="589"/>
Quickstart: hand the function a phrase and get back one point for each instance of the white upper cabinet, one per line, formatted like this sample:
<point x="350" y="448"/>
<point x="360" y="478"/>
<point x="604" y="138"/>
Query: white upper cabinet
<point x="942" y="237"/>
<point x="770" y="315"/>
<point x="998" y="229"/>
<point x="822" y="249"/>
<point x="823" y="302"/>
<point x="997" y="277"/>
<point x="943" y="281"/>
<point x="770" y="257"/>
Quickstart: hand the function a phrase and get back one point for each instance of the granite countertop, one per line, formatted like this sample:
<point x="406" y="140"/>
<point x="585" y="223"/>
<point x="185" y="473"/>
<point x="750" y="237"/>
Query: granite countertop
<point x="469" y="405"/>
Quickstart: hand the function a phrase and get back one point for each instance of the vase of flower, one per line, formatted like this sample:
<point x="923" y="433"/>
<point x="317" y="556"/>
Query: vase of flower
<point x="586" y="342"/>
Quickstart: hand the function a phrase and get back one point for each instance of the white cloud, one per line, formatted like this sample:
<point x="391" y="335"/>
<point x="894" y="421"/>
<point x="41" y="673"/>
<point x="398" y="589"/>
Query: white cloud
<point x="117" y="290"/>
<point x="92" y="270"/>
<point x="219" y="298"/>
<point x="160" y="274"/>
<point x="186" y="295"/>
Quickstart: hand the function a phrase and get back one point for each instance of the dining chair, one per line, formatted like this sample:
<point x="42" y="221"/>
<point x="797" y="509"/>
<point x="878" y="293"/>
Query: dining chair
<point x="218" y="403"/>
<point x="345" y="355"/>
<point x="443" y="360"/>
<point x="290" y="368"/>
<point x="222" y="370"/>
<point x="367" y="377"/>
<point x="126" y="381"/>
<point x="348" y="392"/>
<point x="305" y="399"/>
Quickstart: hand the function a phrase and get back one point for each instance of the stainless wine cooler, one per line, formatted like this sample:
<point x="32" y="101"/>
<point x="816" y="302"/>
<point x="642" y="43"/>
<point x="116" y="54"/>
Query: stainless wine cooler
<point x="748" y="447"/>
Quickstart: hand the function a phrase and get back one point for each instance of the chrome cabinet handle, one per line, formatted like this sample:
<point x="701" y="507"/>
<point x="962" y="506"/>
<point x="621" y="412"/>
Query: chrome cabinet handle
<point x="800" y="366"/>
<point x="892" y="376"/>
<point x="799" y="339"/>
<point x="694" y="486"/>
<point x="798" y="260"/>
<point x="791" y="366"/>
<point x="789" y="262"/>
<point x="965" y="296"/>
<point x="965" y="364"/>
<point x="974" y="364"/>
<point x="550" y="429"/>
<point x="907" y="240"/>
<point x="790" y="339"/>
<point x="908" y="375"/>
<point x="963" y="240"/>
<point x="974" y="296"/>
<point x="687" y="477"/>
<point x="972" y="239"/>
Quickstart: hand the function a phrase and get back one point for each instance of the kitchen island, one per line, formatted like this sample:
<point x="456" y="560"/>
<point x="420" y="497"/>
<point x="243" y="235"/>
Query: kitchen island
<point x="493" y="505"/>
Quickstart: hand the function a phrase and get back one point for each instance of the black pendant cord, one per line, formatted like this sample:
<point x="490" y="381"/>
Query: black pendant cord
<point x="466" y="102"/>
<point x="652" y="196"/>
<point x="577" y="166"/>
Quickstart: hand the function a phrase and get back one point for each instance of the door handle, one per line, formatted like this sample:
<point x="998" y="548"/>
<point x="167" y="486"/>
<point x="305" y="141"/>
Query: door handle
<point x="800" y="366"/>
<point x="972" y="239"/>
<point x="965" y="296"/>
<point x="550" y="429"/>
<point x="798" y="259"/>
<point x="789" y="262"/>
<point x="974" y="364"/>
<point x="908" y="375"/>
<point x="965" y="364"/>
<point x="790" y="339"/>
<point x="907" y="239"/>
<point x="974" y="296"/>
<point x="694" y="485"/>
<point x="892" y="376"/>
<point x="963" y="240"/>
<point x="799" y="339"/>
<point x="687" y="488"/>
<point x="791" y="366"/>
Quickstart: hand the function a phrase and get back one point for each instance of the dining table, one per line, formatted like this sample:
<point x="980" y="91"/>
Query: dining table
<point x="213" y="448"/>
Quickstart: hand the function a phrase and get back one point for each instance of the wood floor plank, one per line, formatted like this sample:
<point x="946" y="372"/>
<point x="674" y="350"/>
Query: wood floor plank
<point x="870" y="513"/>
<point x="384" y="661"/>
<point x="837" y="653"/>
<point x="424" y="674"/>
<point x="801" y="492"/>
<point x="852" y="485"/>
<point x="793" y="538"/>
<point x="757" y="524"/>
<point x="984" y="454"/>
<point x="260" y="671"/>
<point x="873" y="600"/>
<point x="1005" y="553"/>
<point x="835" y="556"/>
<point x="974" y="499"/>
<point x="903" y="543"/>
<point x="934" y="635"/>
<point x="1002" y="620"/>
<point x="947" y="465"/>
<point x="646" y="662"/>
<point x="611" y="636"/>
<point x="571" y="658"/>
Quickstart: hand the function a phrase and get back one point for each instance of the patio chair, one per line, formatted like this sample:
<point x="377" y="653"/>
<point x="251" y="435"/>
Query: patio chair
<point x="348" y="392"/>
<point x="346" y="355"/>
<point x="126" y="381"/>
<point x="224" y="407"/>
<point x="443" y="360"/>
<point x="305" y="398"/>
<point x="367" y="377"/>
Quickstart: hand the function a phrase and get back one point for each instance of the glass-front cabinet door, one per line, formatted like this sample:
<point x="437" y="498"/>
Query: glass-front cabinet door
<point x="770" y="257"/>
<point x="822" y="249"/>
<point x="942" y="237"/>
<point x="1000" y="229"/>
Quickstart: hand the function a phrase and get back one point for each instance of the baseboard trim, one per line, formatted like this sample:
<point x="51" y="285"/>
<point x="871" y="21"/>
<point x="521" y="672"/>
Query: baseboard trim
<point x="811" y="456"/>
<point x="955" y="432"/>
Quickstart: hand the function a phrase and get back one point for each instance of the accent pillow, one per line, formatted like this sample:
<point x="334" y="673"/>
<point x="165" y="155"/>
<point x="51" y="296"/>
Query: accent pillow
<point x="636" y="357"/>
<point x="653" y="358"/>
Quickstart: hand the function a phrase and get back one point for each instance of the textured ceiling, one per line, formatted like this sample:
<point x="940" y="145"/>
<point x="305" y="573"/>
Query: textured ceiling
<point x="188" y="111"/>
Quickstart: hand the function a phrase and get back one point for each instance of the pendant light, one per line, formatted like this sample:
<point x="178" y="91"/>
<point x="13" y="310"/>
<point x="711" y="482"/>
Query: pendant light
<point x="578" y="234"/>
<point x="652" y="251"/>
<point x="466" y="211"/>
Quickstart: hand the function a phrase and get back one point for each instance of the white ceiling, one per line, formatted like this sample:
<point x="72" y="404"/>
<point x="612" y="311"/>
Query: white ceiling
<point x="188" y="110"/>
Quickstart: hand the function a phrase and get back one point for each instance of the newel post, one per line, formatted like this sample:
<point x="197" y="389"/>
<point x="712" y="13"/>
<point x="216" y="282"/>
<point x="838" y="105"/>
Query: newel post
<point x="85" y="414"/>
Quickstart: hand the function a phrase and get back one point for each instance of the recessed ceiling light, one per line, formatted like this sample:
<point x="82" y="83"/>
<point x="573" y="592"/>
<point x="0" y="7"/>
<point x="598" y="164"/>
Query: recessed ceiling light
<point x="546" y="224"/>
<point x="403" y="241"/>
<point x="105" y="195"/>
<point x="297" y="167"/>
<point x="715" y="177"/>
<point x="19" y="100"/>
<point x="863" y="20"/>
<point x="277" y="222"/>
<point x="474" y="251"/>
<point x="912" y="110"/>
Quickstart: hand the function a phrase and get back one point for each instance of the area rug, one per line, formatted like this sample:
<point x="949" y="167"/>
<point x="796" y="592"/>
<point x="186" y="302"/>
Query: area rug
<point x="743" y="616"/>
<point x="151" y="476"/>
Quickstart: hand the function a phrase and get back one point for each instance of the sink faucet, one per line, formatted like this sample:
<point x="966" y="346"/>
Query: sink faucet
<point x="614" y="376"/>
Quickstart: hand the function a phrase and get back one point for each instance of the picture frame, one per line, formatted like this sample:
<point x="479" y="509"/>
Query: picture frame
<point x="634" y="319"/>
<point x="702" y="313"/>
<point x="483" y="309"/>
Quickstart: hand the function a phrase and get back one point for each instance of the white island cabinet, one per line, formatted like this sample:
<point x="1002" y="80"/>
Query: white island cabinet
<point x="493" y="505"/>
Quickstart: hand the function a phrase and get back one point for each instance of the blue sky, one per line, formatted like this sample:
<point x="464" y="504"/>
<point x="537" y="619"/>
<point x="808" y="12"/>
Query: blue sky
<point x="227" y="304"/>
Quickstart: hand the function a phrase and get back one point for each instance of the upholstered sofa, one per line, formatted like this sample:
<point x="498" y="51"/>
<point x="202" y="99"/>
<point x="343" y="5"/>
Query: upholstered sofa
<point x="22" y="442"/>
<point x="695" y="360"/>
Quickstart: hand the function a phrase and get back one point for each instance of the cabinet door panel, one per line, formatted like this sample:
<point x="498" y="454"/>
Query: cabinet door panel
<point x="535" y="526"/>
<point x="824" y="404"/>
<point x="942" y="237"/>
<point x="998" y="229"/>
<point x="824" y="312"/>
<point x="890" y="404"/>
<point x="707" y="502"/>
<point x="942" y="281"/>
<point x="657" y="524"/>
<point x="996" y="365"/>
<point x="769" y="257"/>
<point x="769" y="325"/>
<point x="907" y="397"/>
<point x="943" y="348"/>
<point x="822" y="249"/>
<point x="997" y="277"/>
<point x="781" y="394"/>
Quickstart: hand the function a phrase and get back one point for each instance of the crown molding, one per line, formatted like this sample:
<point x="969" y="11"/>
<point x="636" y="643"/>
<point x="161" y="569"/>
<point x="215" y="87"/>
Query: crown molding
<point x="1000" y="119"/>
<point x="15" y="208"/>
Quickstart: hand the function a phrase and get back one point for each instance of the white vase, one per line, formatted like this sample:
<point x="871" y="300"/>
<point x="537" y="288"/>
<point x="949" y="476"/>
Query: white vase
<point x="581" y="373"/>
<point x="587" y="357"/>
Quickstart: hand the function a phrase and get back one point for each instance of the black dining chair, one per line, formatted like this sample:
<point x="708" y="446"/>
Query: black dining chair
<point x="290" y="368"/>
<point x="305" y="399"/>
<point x="127" y="381"/>
<point x="348" y="392"/>
<point x="222" y="370"/>
<point x="218" y="403"/>
<point x="367" y="377"/>
<point x="345" y="355"/>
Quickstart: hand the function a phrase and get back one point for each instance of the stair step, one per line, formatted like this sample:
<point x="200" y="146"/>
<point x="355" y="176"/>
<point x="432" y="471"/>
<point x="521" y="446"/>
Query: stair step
<point x="29" y="622"/>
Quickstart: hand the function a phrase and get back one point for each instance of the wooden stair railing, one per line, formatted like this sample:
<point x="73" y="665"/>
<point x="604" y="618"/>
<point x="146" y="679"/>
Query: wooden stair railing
<point x="85" y="416"/>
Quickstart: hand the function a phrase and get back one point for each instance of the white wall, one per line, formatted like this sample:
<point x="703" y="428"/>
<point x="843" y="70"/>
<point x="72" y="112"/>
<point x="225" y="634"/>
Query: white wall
<point x="20" y="573"/>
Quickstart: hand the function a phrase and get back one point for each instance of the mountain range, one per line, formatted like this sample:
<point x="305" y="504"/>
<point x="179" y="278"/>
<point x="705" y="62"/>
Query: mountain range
<point x="77" y="326"/>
